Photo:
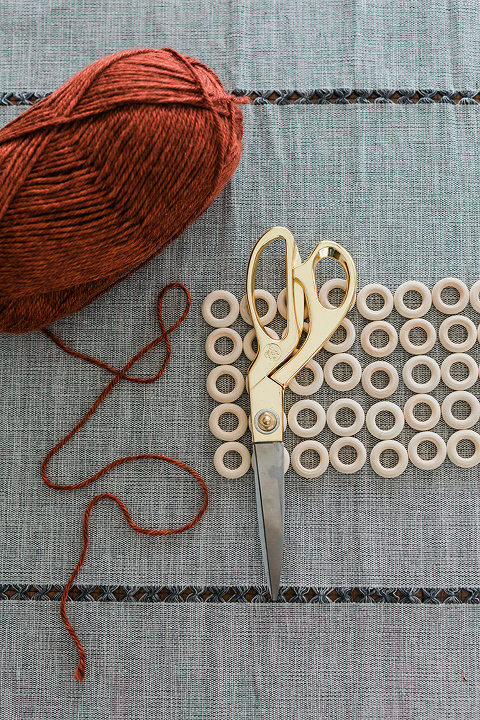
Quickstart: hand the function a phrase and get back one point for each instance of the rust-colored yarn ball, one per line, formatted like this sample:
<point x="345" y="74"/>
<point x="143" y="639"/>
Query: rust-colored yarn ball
<point x="100" y="176"/>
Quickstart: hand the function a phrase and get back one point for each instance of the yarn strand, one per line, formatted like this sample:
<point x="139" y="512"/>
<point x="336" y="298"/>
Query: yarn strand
<point x="118" y="375"/>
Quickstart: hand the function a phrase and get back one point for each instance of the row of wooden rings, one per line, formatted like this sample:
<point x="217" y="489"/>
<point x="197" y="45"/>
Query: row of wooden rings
<point x="389" y="301"/>
<point x="364" y="376"/>
<point x="332" y="456"/>
<point x="473" y="334"/>
<point x="330" y="417"/>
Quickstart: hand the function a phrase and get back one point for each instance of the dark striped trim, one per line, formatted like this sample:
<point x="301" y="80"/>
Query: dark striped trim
<point x="190" y="593"/>
<point x="347" y="96"/>
<point x="21" y="98"/>
<point x="337" y="96"/>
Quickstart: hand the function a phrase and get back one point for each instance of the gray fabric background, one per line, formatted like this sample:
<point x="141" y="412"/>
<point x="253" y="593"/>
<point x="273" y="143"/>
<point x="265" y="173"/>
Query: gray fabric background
<point x="399" y="188"/>
<point x="389" y="186"/>
<point x="203" y="661"/>
<point x="379" y="43"/>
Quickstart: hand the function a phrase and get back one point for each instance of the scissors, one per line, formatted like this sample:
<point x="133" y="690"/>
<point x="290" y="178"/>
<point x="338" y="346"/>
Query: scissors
<point x="276" y="364"/>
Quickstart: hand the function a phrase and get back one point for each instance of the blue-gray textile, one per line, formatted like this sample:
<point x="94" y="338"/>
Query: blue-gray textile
<point x="398" y="186"/>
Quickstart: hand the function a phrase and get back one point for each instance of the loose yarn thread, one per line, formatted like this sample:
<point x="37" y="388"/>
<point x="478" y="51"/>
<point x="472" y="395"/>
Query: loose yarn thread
<point x="97" y="179"/>
<point x="119" y="375"/>
<point x="101" y="175"/>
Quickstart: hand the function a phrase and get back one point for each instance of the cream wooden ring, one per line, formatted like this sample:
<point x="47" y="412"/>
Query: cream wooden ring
<point x="386" y="349"/>
<point x="469" y="363"/>
<point x="410" y="418"/>
<point x="452" y="453"/>
<point x="371" y="289"/>
<point x="475" y="296"/>
<point x="430" y="364"/>
<point x="347" y="343"/>
<point x="390" y="407"/>
<point x="458" y="285"/>
<point x="457" y="423"/>
<point x="352" y="381"/>
<point x="464" y="322"/>
<point x="314" y="386"/>
<point x="237" y="390"/>
<point x="230" y="357"/>
<point x="250" y="337"/>
<point x="434" y="462"/>
<point x="282" y="305"/>
<point x="400" y="293"/>
<point x="372" y="368"/>
<point x="220" y="466"/>
<point x="295" y="410"/>
<point x="424" y="325"/>
<point x="402" y="455"/>
<point x="332" y="417"/>
<point x="215" y="416"/>
<point x="207" y="308"/>
<point x="271" y="309"/>
<point x="345" y="442"/>
<point x="322" y="453"/>
<point x="327" y="287"/>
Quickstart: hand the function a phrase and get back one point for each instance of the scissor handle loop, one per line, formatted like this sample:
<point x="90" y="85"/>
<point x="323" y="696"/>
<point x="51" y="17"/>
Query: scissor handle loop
<point x="271" y="353"/>
<point x="323" y="321"/>
<point x="305" y="274"/>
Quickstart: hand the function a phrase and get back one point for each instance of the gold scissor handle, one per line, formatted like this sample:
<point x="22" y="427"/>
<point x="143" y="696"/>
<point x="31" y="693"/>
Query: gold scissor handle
<point x="323" y="321"/>
<point x="271" y="353"/>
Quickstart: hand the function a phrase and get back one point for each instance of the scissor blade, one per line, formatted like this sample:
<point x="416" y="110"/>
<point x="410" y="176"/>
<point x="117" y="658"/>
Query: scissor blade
<point x="270" y="494"/>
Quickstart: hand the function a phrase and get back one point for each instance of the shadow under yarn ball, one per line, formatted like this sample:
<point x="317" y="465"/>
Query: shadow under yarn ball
<point x="100" y="176"/>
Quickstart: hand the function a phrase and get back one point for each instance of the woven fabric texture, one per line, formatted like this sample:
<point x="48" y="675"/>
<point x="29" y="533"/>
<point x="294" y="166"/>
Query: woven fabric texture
<point x="392" y="190"/>
<point x="252" y="44"/>
<point x="202" y="662"/>
<point x="399" y="187"/>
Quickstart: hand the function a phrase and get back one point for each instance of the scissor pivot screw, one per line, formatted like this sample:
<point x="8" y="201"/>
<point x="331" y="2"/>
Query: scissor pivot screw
<point x="267" y="421"/>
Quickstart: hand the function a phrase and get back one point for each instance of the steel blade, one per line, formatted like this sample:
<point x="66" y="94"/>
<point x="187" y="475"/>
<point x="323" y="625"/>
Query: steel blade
<point x="270" y="494"/>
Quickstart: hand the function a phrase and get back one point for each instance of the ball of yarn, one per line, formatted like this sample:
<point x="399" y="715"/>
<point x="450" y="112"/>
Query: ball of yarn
<point x="101" y="175"/>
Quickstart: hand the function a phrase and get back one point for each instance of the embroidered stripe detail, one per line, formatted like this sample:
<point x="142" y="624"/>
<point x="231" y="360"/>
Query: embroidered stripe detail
<point x="235" y="594"/>
<point x="21" y="98"/>
<point x="347" y="96"/>
<point x="336" y="96"/>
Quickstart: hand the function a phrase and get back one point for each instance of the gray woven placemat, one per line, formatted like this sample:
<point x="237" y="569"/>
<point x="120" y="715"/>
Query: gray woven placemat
<point x="399" y="187"/>
<point x="406" y="192"/>
<point x="207" y="662"/>
<point x="252" y="44"/>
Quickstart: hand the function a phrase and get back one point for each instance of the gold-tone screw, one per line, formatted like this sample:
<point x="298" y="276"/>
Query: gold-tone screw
<point x="267" y="421"/>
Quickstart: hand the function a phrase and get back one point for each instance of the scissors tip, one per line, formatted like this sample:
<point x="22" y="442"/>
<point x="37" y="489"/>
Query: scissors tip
<point x="274" y="589"/>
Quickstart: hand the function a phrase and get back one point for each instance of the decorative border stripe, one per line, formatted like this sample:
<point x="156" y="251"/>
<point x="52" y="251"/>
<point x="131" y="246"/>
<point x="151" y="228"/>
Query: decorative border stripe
<point x="347" y="96"/>
<point x="336" y="96"/>
<point x="21" y="98"/>
<point x="236" y="594"/>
